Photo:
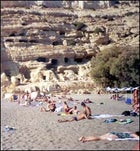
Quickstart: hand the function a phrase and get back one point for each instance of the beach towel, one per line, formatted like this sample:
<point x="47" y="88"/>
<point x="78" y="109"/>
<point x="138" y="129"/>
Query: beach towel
<point x="122" y="136"/>
<point x="110" y="120"/>
<point x="127" y="139"/>
<point x="125" y="121"/>
<point x="59" y="109"/>
<point x="104" y="116"/>
<point x="8" y="128"/>
<point x="62" y="114"/>
<point x="35" y="103"/>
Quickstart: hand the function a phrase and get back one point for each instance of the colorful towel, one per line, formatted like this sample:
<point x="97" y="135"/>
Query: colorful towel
<point x="127" y="139"/>
<point x="125" y="121"/>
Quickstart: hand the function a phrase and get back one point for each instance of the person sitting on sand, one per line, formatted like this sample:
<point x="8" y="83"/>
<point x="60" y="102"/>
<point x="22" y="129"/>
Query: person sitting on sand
<point x="66" y="108"/>
<point x="27" y="98"/>
<point x="87" y="101"/>
<point x="82" y="115"/>
<point x="73" y="110"/>
<point x="111" y="136"/>
<point x="86" y="110"/>
<point x="50" y="107"/>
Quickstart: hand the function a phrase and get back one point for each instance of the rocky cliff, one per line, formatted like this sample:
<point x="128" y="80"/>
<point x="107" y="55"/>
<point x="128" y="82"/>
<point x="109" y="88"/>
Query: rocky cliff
<point x="41" y="43"/>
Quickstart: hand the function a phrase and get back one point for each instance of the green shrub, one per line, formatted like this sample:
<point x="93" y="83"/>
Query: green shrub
<point x="117" y="66"/>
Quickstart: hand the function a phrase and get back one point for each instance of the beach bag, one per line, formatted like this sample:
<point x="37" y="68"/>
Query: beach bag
<point x="126" y="113"/>
<point x="15" y="97"/>
<point x="128" y="101"/>
<point x="133" y="114"/>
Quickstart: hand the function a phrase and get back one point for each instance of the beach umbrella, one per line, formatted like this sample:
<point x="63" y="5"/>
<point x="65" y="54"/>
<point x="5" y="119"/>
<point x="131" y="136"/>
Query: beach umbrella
<point x="123" y="89"/>
<point x="129" y="89"/>
<point x="135" y="88"/>
<point x="115" y="90"/>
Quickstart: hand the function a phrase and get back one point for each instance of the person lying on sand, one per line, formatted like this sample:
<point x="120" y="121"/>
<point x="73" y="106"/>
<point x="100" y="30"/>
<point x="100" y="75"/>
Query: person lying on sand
<point x="79" y="117"/>
<point x="111" y="136"/>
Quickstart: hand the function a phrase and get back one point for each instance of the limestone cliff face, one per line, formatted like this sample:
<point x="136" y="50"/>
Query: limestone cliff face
<point x="57" y="44"/>
<point x="16" y="3"/>
<point x="56" y="4"/>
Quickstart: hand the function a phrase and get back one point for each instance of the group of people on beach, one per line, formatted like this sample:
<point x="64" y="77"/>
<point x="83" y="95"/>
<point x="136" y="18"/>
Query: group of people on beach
<point x="84" y="114"/>
<point x="78" y="115"/>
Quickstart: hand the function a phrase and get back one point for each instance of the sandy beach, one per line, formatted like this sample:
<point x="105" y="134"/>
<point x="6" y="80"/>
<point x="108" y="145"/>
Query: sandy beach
<point x="37" y="130"/>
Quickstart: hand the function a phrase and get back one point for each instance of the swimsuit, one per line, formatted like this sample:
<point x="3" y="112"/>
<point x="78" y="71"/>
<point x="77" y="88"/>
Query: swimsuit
<point x="75" y="118"/>
<point x="121" y="135"/>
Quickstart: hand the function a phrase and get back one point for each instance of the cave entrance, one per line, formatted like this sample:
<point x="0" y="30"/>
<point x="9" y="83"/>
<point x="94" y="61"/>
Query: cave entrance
<point x="54" y="61"/>
<point x="78" y="60"/>
<point x="66" y="60"/>
<point x="41" y="59"/>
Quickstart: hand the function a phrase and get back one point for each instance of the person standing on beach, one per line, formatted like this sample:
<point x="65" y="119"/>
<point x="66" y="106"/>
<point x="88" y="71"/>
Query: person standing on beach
<point x="136" y="100"/>
<point x="27" y="98"/>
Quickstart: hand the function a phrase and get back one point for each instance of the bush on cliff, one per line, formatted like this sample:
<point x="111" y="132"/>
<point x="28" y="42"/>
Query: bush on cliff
<point x="117" y="66"/>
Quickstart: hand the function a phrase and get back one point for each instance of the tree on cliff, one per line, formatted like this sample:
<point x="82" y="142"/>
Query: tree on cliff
<point x="116" y="66"/>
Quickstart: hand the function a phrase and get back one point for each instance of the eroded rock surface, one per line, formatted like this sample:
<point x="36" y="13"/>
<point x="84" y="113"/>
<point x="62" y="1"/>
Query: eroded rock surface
<point x="44" y="42"/>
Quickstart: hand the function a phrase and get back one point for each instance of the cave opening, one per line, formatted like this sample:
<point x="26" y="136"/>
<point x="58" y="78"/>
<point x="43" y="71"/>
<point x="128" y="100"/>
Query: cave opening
<point x="41" y="59"/>
<point x="78" y="60"/>
<point x="66" y="60"/>
<point x="54" y="61"/>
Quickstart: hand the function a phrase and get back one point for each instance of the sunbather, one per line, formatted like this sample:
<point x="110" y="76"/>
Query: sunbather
<point x="86" y="114"/>
<point x="73" y="110"/>
<point x="66" y="108"/>
<point x="87" y="109"/>
<point x="111" y="136"/>
<point x="79" y="117"/>
<point x="50" y="107"/>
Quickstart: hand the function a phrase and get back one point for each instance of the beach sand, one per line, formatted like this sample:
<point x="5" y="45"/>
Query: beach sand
<point x="37" y="130"/>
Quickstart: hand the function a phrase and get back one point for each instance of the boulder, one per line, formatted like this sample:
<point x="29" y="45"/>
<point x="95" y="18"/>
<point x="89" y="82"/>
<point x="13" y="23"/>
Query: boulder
<point x="50" y="76"/>
<point x="4" y="80"/>
<point x="70" y="75"/>
<point x="36" y="76"/>
<point x="15" y="81"/>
